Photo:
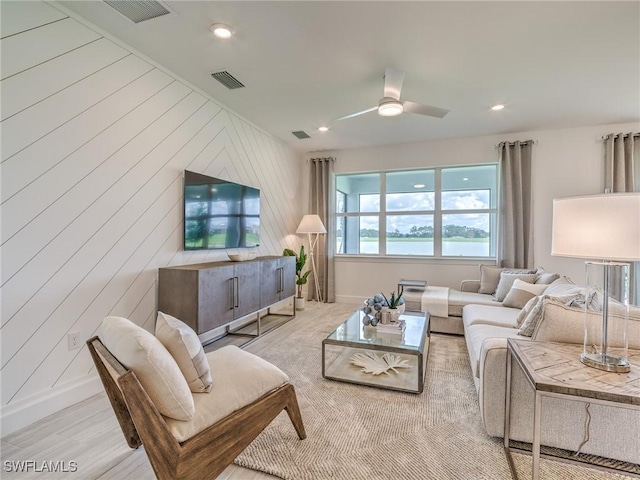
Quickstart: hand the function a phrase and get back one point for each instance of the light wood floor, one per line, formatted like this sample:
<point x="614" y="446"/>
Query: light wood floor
<point x="88" y="433"/>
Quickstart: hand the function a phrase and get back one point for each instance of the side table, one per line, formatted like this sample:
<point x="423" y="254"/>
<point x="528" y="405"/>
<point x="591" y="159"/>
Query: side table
<point x="555" y="370"/>
<point x="416" y="284"/>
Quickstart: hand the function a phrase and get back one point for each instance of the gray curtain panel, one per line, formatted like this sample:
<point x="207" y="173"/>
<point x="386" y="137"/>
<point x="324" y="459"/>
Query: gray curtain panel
<point x="622" y="174"/>
<point x="515" y="236"/>
<point x="322" y="203"/>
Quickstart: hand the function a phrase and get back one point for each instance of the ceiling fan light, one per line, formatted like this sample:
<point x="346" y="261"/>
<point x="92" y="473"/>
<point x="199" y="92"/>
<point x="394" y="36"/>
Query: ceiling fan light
<point x="221" y="30"/>
<point x="390" y="108"/>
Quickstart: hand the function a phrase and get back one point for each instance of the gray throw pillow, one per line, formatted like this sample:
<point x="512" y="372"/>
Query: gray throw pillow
<point x="546" y="278"/>
<point x="526" y="310"/>
<point x="506" y="282"/>
<point x="489" y="278"/>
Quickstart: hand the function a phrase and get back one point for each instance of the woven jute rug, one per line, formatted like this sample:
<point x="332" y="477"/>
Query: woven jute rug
<point x="356" y="432"/>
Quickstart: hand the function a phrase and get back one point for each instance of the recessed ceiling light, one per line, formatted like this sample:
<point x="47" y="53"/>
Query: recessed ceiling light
<point x="465" y="179"/>
<point x="497" y="107"/>
<point x="419" y="185"/>
<point x="323" y="128"/>
<point x="221" y="30"/>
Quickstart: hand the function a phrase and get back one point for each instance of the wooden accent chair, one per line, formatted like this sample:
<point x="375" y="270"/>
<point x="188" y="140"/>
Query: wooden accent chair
<point x="207" y="453"/>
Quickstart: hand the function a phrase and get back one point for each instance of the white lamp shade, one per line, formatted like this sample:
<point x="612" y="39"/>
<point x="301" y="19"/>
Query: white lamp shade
<point x="602" y="227"/>
<point x="311" y="224"/>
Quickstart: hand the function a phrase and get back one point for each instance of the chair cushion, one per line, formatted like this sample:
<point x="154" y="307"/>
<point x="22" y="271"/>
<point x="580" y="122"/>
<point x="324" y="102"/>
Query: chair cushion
<point x="239" y="378"/>
<point x="186" y="349"/>
<point x="153" y="365"/>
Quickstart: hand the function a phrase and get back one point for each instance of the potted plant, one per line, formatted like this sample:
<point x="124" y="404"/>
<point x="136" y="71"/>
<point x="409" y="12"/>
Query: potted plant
<point x="301" y="278"/>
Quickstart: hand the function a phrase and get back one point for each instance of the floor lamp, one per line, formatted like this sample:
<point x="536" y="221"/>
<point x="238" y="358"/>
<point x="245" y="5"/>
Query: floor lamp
<point x="311" y="224"/>
<point x="604" y="229"/>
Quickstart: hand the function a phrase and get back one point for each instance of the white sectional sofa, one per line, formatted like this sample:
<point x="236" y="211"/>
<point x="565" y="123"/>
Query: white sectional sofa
<point x="613" y="432"/>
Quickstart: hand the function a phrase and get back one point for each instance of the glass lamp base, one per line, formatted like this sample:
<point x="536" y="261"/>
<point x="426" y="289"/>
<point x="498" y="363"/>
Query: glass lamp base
<point x="608" y="363"/>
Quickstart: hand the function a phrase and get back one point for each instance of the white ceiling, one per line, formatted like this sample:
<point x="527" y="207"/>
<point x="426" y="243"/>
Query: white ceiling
<point x="554" y="64"/>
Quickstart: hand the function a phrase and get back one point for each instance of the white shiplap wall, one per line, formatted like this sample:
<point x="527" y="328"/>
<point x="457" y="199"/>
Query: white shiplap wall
<point x="94" y="143"/>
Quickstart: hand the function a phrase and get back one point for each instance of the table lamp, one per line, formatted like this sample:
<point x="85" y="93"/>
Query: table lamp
<point x="311" y="224"/>
<point x="605" y="230"/>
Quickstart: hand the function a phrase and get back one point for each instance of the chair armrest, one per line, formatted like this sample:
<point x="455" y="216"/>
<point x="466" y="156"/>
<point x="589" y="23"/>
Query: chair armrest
<point x="471" y="286"/>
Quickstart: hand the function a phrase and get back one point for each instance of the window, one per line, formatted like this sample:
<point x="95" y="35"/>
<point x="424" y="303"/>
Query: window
<point x="441" y="212"/>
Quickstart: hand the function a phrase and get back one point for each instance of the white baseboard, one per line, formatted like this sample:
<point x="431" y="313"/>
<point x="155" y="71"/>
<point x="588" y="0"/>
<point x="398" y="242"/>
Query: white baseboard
<point x="23" y="413"/>
<point x="349" y="299"/>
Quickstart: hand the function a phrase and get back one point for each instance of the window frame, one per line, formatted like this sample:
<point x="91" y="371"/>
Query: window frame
<point x="437" y="213"/>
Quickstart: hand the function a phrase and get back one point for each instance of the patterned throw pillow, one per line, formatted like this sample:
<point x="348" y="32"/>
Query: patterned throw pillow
<point x="521" y="292"/>
<point x="185" y="347"/>
<point x="525" y="311"/>
<point x="507" y="280"/>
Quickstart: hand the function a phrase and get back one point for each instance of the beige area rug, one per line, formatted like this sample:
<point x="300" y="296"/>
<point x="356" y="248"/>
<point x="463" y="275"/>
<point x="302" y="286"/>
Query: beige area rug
<point x="356" y="432"/>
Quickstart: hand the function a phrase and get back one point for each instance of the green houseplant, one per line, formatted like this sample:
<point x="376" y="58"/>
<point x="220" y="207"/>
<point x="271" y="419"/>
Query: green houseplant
<point x="301" y="278"/>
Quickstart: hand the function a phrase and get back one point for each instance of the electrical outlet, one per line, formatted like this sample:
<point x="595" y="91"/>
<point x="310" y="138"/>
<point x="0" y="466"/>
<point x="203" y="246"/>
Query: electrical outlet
<point x="73" y="340"/>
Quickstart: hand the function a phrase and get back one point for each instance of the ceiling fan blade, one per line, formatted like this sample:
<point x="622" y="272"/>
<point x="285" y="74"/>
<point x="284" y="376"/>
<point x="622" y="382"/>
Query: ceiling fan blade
<point x="424" y="109"/>
<point x="393" y="83"/>
<point x="357" y="113"/>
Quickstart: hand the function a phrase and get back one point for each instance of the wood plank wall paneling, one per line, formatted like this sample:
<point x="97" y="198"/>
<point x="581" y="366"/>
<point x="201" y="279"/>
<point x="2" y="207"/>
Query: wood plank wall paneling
<point x="95" y="140"/>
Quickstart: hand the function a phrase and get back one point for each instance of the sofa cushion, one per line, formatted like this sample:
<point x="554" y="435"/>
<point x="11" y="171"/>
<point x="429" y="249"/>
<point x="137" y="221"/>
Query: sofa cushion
<point x="476" y="335"/>
<point x="563" y="286"/>
<point x="507" y="280"/>
<point x="153" y="365"/>
<point x="489" y="278"/>
<point x="185" y="347"/>
<point x="562" y="323"/>
<point x="535" y="315"/>
<point x="458" y="299"/>
<point x="544" y="277"/>
<point x="524" y="312"/>
<point x="239" y="378"/>
<point x="521" y="292"/>
<point x="489" y="315"/>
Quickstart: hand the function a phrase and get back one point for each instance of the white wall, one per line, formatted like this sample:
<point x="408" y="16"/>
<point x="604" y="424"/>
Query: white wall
<point x="95" y="139"/>
<point x="565" y="162"/>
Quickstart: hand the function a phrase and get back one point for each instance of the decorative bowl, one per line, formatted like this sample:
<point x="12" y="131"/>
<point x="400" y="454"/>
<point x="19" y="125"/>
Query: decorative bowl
<point x="241" y="257"/>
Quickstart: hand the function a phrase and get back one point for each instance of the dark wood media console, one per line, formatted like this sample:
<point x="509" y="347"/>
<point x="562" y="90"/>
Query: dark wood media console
<point x="209" y="295"/>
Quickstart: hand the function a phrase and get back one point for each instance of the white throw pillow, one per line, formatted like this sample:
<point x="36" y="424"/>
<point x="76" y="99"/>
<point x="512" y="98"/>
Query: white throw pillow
<point x="153" y="365"/>
<point x="507" y="280"/>
<point x="185" y="347"/>
<point x="521" y="292"/>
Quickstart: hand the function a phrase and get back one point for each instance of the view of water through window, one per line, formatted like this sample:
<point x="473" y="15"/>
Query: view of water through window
<point x="402" y="219"/>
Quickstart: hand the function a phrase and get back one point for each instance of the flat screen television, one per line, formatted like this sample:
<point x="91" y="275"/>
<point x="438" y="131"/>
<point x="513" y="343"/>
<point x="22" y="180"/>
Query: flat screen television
<point x="219" y="213"/>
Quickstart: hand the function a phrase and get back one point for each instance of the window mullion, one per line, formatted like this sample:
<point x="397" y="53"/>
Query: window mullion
<point x="437" y="216"/>
<point x="382" y="221"/>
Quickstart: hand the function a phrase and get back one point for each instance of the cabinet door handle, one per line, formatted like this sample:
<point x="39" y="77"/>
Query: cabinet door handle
<point x="232" y="294"/>
<point x="235" y="290"/>
<point x="281" y="288"/>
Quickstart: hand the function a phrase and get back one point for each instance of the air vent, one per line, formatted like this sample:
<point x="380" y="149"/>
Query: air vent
<point x="139" y="11"/>
<point x="228" y="80"/>
<point x="301" y="135"/>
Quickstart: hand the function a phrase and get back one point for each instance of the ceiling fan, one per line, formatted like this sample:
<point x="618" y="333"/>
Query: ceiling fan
<point x="390" y="104"/>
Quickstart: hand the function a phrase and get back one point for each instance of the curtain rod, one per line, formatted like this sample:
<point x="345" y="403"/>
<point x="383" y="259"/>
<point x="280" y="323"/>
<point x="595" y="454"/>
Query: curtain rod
<point x="511" y="144"/>
<point x="624" y="135"/>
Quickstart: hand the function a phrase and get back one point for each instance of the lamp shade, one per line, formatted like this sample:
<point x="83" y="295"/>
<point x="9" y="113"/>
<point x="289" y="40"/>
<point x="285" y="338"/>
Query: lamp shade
<point x="311" y="224"/>
<point x="602" y="227"/>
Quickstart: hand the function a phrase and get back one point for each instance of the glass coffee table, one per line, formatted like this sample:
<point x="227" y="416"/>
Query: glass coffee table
<point x="352" y="338"/>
